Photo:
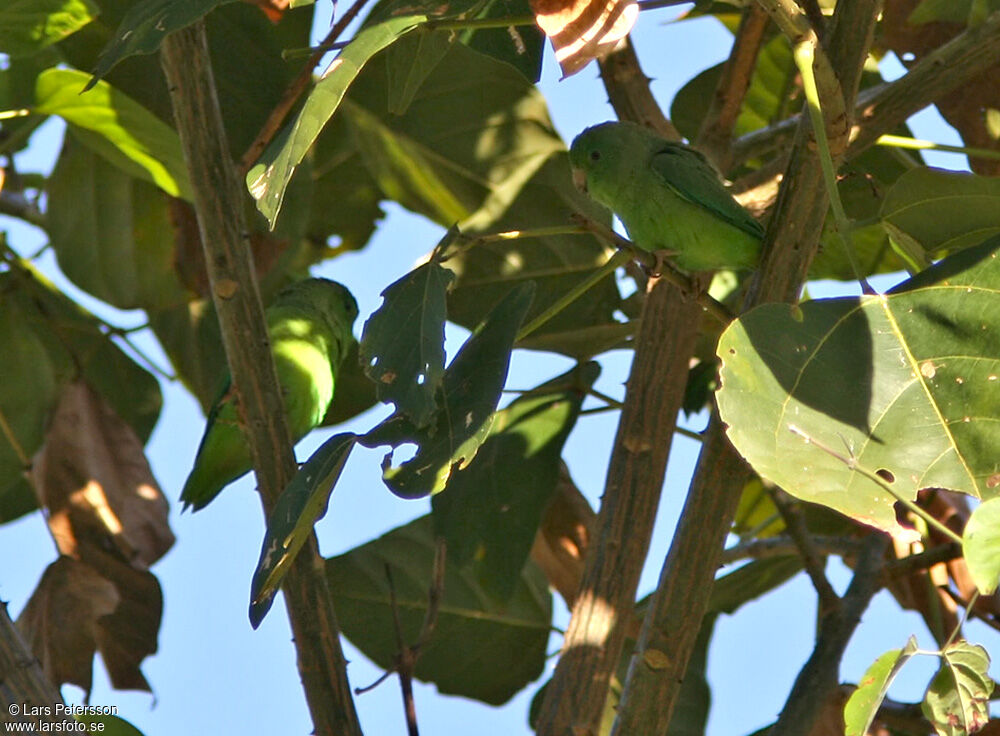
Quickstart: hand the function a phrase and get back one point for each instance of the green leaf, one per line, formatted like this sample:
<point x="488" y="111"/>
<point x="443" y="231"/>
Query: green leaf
<point x="468" y="398"/>
<point x="298" y="509"/>
<point x="751" y="581"/>
<point x="491" y="510"/>
<point x="402" y="346"/>
<point x="958" y="699"/>
<point x="409" y="61"/>
<point x="269" y="177"/>
<point x="144" y="27"/>
<point x="520" y="46"/>
<point x="479" y="649"/>
<point x="111" y="232"/>
<point x="48" y="341"/>
<point x="861" y="707"/>
<point x="903" y="385"/>
<point x="117" y="127"/>
<point x="942" y="11"/>
<point x="355" y="392"/>
<point x="27" y="26"/>
<point x="943" y="211"/>
<point x="981" y="546"/>
<point x="109" y="725"/>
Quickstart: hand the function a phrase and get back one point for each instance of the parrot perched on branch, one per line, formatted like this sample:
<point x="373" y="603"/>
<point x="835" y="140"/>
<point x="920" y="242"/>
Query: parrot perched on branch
<point x="668" y="196"/>
<point x="309" y="324"/>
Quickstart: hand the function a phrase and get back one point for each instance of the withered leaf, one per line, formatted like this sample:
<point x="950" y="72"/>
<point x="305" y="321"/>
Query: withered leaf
<point x="581" y="30"/>
<point x="94" y="479"/>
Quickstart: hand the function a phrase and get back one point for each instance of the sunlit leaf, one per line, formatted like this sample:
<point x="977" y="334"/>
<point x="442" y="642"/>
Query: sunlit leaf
<point x="981" y="545"/>
<point x="27" y="26"/>
<point x="860" y="710"/>
<point x="903" y="387"/>
<point x="584" y="30"/>
<point x="117" y="127"/>
<point x="958" y="699"/>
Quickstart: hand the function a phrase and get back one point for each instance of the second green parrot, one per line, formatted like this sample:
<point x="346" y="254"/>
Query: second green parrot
<point x="667" y="195"/>
<point x="309" y="324"/>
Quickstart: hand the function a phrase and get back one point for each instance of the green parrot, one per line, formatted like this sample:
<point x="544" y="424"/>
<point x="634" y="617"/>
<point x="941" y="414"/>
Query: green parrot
<point x="667" y="195"/>
<point x="310" y="328"/>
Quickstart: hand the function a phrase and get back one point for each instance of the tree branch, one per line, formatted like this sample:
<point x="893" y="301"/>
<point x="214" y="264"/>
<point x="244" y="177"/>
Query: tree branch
<point x="818" y="677"/>
<point x="879" y="110"/>
<point x="23" y="684"/>
<point x="674" y="617"/>
<point x="716" y="134"/>
<point x="219" y="203"/>
<point x="812" y="560"/>
<point x="592" y="647"/>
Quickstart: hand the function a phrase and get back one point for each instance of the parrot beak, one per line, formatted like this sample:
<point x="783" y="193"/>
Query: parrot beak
<point x="580" y="179"/>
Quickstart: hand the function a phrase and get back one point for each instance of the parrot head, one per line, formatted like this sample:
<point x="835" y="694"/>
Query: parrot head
<point x="329" y="299"/>
<point x="605" y="153"/>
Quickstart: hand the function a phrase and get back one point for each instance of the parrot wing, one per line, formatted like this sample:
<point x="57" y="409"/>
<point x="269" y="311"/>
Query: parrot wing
<point x="691" y="177"/>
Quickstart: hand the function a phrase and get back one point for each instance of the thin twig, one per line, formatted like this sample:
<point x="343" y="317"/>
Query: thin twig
<point x="666" y="270"/>
<point x="295" y="90"/>
<point x="785" y="546"/>
<point x="812" y="560"/>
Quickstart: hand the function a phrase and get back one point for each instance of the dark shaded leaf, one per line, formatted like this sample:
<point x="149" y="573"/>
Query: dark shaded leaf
<point x="402" y="347"/>
<point x="468" y="397"/>
<point x="479" y="649"/>
<point x="299" y="507"/>
<point x="491" y="511"/>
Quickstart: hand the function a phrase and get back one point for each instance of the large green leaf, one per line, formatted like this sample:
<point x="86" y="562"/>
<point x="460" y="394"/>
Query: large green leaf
<point x="479" y="649"/>
<point x="111" y="232"/>
<point x="958" y="699"/>
<point x="942" y="211"/>
<point x="402" y="347"/>
<point x="823" y="397"/>
<point x="291" y="522"/>
<point x="27" y="26"/>
<point x="268" y="179"/>
<point x="490" y="512"/>
<point x="146" y="24"/>
<point x="467" y="399"/>
<point x="117" y="127"/>
<point x="48" y="341"/>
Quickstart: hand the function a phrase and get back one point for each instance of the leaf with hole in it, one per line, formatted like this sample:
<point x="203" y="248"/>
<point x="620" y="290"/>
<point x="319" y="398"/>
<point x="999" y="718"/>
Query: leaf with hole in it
<point x="479" y="649"/>
<point x="291" y="522"/>
<point x="942" y="211"/>
<point x="861" y="707"/>
<point x="269" y="177"/>
<point x="117" y="127"/>
<point x="468" y="397"/>
<point x="402" y="347"/>
<point x="111" y="232"/>
<point x="144" y="27"/>
<point x="27" y="26"/>
<point x="958" y="699"/>
<point x="981" y="545"/>
<point x="903" y="386"/>
<point x="492" y="508"/>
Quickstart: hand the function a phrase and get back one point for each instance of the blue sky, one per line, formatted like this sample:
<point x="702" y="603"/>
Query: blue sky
<point x="213" y="674"/>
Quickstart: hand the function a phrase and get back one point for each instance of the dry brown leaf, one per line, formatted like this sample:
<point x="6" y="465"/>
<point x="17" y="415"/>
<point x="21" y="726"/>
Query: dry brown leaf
<point x="561" y="541"/>
<point x="582" y="30"/>
<point x="92" y="476"/>
<point x="965" y="108"/>
<point x="273" y="9"/>
<point x="60" y="621"/>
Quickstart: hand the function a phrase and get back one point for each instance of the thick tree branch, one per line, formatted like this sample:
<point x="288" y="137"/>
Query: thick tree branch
<point x="219" y="203"/>
<point x="592" y="647"/>
<point x="674" y="617"/>
<point x="819" y="676"/>
<point x="880" y="109"/>
<point x="23" y="684"/>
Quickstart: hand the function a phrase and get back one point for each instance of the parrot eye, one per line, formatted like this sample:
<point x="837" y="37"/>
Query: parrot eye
<point x="595" y="155"/>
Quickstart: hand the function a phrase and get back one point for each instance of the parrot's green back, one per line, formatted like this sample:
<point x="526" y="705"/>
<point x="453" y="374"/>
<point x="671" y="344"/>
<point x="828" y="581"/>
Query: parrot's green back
<point x="667" y="195"/>
<point x="309" y="325"/>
